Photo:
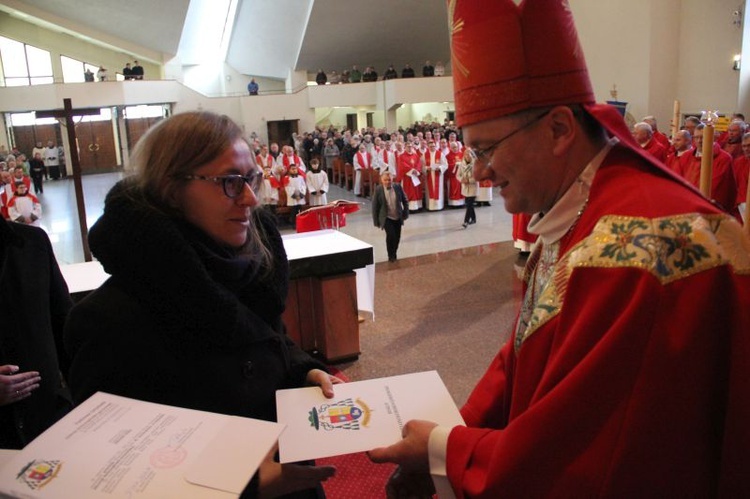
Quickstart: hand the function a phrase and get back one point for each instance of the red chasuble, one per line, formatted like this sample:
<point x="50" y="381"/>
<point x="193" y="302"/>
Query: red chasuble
<point x="723" y="186"/>
<point x="629" y="371"/>
<point x="407" y="162"/>
<point x="455" y="198"/>
<point x="741" y="167"/>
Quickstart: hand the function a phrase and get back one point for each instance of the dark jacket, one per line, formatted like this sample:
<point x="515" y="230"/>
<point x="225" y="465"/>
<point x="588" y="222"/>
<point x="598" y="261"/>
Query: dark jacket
<point x="380" y="206"/>
<point x="34" y="302"/>
<point x="183" y="321"/>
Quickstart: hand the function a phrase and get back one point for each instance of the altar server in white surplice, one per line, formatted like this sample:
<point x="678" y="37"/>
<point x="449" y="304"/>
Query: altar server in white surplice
<point x="317" y="184"/>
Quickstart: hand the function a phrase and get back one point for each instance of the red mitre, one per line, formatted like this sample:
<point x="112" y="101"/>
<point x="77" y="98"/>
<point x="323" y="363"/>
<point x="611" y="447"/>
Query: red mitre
<point x="507" y="58"/>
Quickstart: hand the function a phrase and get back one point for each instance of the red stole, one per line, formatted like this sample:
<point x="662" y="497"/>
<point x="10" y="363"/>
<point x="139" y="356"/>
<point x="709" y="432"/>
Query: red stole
<point x="362" y="157"/>
<point x="285" y="160"/>
<point x="264" y="162"/>
<point x="434" y="184"/>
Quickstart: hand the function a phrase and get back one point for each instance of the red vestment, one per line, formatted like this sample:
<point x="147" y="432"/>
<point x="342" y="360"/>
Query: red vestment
<point x="521" y="233"/>
<point x="409" y="164"/>
<point x="723" y="187"/>
<point x="433" y="177"/>
<point x="662" y="139"/>
<point x="655" y="149"/>
<point x="614" y="385"/>
<point x="453" y="184"/>
<point x="741" y="167"/>
<point x="264" y="161"/>
<point x="734" y="149"/>
<point x="678" y="163"/>
<point x="293" y="159"/>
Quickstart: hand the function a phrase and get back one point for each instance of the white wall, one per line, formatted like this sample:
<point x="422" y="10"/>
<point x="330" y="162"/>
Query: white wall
<point x="657" y="51"/>
<point x="708" y="42"/>
<point x="58" y="44"/>
<point x="221" y="79"/>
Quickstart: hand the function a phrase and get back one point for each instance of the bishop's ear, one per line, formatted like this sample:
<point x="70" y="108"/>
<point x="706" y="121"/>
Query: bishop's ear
<point x="563" y="125"/>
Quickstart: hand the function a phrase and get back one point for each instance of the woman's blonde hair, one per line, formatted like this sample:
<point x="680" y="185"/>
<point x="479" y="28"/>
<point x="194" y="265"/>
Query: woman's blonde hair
<point x="175" y="148"/>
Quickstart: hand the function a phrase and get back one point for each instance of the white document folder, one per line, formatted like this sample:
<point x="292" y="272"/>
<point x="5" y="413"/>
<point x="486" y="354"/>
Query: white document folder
<point x="362" y="415"/>
<point x="111" y="446"/>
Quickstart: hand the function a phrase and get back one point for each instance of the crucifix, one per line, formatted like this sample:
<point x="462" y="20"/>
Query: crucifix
<point x="68" y="112"/>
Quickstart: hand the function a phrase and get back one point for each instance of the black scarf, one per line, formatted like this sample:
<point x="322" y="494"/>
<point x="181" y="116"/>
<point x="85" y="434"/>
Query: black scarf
<point x="188" y="282"/>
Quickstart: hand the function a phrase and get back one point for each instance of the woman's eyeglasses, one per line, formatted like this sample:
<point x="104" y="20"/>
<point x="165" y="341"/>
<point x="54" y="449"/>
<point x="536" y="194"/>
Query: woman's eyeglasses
<point x="233" y="184"/>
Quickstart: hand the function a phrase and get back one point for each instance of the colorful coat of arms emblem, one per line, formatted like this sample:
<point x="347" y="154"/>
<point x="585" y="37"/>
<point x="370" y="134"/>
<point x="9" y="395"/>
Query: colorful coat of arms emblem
<point x="39" y="473"/>
<point x="347" y="414"/>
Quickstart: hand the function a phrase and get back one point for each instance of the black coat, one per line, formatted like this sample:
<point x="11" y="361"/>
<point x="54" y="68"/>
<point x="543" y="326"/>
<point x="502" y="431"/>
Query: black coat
<point x="182" y="321"/>
<point x="34" y="302"/>
<point x="380" y="206"/>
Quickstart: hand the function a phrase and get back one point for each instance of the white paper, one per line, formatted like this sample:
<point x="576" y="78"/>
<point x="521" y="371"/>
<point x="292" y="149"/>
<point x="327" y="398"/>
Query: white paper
<point x="112" y="446"/>
<point x="363" y="415"/>
<point x="415" y="178"/>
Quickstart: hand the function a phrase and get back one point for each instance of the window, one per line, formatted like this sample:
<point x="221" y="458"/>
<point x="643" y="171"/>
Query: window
<point x="24" y="64"/>
<point x="73" y="69"/>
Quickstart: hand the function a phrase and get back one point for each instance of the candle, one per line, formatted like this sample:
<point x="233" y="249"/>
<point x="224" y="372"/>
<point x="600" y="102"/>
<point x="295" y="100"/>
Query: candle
<point x="675" y="119"/>
<point x="707" y="161"/>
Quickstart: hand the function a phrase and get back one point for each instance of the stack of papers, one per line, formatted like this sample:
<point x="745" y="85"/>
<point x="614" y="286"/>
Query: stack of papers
<point x="112" y="446"/>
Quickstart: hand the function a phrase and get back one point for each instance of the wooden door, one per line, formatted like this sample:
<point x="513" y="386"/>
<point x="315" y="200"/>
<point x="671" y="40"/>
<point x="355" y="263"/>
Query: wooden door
<point x="26" y="137"/>
<point x="136" y="128"/>
<point x="281" y="131"/>
<point x="96" y="147"/>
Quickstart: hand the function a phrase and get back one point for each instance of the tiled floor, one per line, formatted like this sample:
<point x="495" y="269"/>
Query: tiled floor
<point x="424" y="233"/>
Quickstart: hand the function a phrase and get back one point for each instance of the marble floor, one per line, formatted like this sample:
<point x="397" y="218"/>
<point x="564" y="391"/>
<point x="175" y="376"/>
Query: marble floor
<point x="424" y="233"/>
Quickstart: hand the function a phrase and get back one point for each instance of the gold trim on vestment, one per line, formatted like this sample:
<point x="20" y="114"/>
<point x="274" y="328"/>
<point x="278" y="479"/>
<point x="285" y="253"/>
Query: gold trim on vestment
<point x="669" y="248"/>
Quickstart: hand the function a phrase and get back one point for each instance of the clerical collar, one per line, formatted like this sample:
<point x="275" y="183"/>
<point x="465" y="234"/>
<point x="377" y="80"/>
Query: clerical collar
<point x="553" y="225"/>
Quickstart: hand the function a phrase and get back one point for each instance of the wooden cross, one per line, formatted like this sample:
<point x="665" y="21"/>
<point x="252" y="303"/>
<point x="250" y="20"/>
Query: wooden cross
<point x="68" y="112"/>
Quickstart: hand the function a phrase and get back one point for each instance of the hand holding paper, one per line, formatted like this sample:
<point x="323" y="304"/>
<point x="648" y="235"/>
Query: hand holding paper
<point x="324" y="380"/>
<point x="362" y="415"/>
<point x="411" y="452"/>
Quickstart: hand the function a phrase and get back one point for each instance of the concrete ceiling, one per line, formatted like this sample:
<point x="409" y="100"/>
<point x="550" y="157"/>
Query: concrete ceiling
<point x="270" y="36"/>
<point x="152" y="24"/>
<point x="341" y="33"/>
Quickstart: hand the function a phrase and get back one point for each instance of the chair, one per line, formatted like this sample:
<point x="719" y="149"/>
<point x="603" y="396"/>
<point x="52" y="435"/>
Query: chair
<point x="365" y="182"/>
<point x="348" y="176"/>
<point x="374" y="180"/>
<point x="338" y="171"/>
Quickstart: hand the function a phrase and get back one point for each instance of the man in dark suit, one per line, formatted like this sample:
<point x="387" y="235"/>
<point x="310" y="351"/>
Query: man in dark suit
<point x="389" y="210"/>
<point x="34" y="303"/>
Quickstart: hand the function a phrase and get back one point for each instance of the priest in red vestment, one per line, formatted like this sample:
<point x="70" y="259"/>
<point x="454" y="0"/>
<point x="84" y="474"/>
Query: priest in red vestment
<point x="409" y="167"/>
<point x="628" y="371"/>
<point x="452" y="183"/>
<point x="733" y="143"/>
<point x="723" y="184"/>
<point x="682" y="148"/>
<point x="741" y="167"/>
<point x="643" y="134"/>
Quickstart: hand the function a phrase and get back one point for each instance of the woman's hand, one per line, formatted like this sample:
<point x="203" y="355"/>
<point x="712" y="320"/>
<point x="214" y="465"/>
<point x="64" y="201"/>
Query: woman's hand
<point x="15" y="386"/>
<point x="324" y="380"/>
<point x="280" y="479"/>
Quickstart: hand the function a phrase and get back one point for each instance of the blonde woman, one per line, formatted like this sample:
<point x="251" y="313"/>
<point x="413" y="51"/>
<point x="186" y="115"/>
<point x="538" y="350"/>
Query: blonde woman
<point x="465" y="175"/>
